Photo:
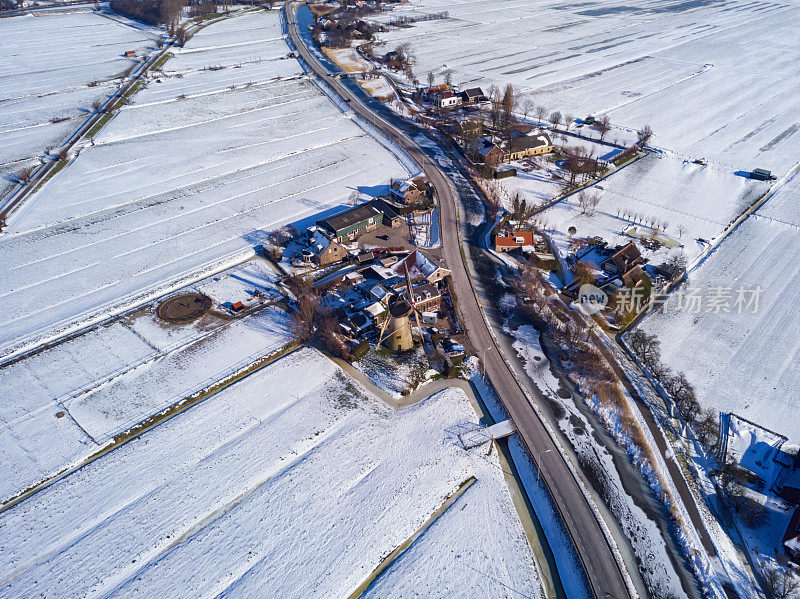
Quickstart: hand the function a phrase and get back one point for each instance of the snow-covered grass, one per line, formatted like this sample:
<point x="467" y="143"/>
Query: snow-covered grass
<point x="397" y="374"/>
<point x="347" y="59"/>
<point x="378" y="88"/>
<point x="237" y="496"/>
<point x="693" y="201"/>
<point x="173" y="186"/>
<point x="46" y="65"/>
<point x="117" y="375"/>
<point x="121" y="403"/>
<point x="713" y="80"/>
<point x="744" y="362"/>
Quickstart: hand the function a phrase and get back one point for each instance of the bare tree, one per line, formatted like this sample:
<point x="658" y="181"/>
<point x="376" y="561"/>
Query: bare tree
<point x="495" y="106"/>
<point x="494" y="195"/>
<point x="431" y="78"/>
<point x="584" y="272"/>
<point x="645" y="345"/>
<point x="644" y="135"/>
<point x="448" y="79"/>
<point x="604" y="126"/>
<point x="328" y="331"/>
<point x="541" y="112"/>
<point x="568" y="120"/>
<point x="24" y="174"/>
<point x="160" y="43"/>
<point x="526" y="105"/>
<point x="779" y="582"/>
<point x="588" y="202"/>
<point x="302" y="323"/>
<point x="555" y="119"/>
<point x="181" y="36"/>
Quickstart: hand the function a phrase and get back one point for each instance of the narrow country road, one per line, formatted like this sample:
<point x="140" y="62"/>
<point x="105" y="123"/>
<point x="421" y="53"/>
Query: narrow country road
<point x="597" y="556"/>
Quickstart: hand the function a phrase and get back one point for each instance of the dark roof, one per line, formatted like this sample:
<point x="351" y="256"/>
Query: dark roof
<point x="385" y="208"/>
<point x="419" y="293"/>
<point x="473" y="92"/>
<point x="628" y="253"/>
<point x="399" y="308"/>
<point x="349" y="217"/>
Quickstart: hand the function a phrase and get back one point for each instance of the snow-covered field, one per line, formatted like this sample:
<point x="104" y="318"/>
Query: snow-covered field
<point x="745" y="362"/>
<point x="237" y="497"/>
<point x="111" y="378"/>
<point x="175" y="186"/>
<point x="713" y="80"/>
<point x="692" y="201"/>
<point x="46" y="65"/>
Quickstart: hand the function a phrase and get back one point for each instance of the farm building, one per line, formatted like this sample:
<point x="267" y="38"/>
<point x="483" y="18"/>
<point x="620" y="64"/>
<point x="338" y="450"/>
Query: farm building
<point x="350" y="224"/>
<point x="760" y="174"/>
<point x="427" y="297"/>
<point x="390" y="216"/>
<point x="527" y="145"/>
<point x="409" y="191"/>
<point x="488" y="152"/>
<point x="512" y="240"/>
<point x="472" y="95"/>
<point x="623" y="259"/>
<point x="419" y="266"/>
<point x="324" y="249"/>
<point x="430" y="93"/>
<point x="447" y="99"/>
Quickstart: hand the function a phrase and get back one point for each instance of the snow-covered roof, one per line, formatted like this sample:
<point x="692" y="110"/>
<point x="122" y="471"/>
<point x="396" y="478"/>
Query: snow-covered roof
<point x="754" y="448"/>
<point x="417" y="264"/>
<point x="376" y="309"/>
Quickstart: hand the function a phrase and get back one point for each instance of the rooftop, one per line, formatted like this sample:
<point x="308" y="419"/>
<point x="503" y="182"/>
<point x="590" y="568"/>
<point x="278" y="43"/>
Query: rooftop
<point x="349" y="217"/>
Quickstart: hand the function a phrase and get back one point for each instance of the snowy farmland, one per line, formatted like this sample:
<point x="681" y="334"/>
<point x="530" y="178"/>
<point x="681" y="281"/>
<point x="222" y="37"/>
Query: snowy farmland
<point x="745" y="362"/>
<point x="237" y="496"/>
<point x="64" y="403"/>
<point x="52" y="68"/>
<point x="232" y="142"/>
<point x="689" y="202"/>
<point x="714" y="80"/>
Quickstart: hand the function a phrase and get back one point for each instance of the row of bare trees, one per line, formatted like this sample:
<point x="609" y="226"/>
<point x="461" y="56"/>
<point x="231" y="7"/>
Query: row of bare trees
<point x="154" y="12"/>
<point x="648" y="348"/>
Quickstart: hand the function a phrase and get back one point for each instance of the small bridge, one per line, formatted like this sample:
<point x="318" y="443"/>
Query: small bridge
<point x="479" y="435"/>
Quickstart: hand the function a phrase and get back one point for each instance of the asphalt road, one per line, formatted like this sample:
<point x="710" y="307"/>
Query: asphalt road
<point x="602" y="569"/>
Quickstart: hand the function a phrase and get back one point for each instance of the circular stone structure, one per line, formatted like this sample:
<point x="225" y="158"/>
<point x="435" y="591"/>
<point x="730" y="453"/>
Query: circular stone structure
<point x="184" y="307"/>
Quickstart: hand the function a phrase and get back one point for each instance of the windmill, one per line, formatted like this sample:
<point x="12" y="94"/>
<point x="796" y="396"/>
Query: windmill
<point x="396" y="329"/>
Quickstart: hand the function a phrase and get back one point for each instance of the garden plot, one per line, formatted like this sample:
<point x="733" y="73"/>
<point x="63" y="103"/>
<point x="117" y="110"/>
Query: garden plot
<point x="690" y="203"/>
<point x="745" y="362"/>
<point x="175" y="188"/>
<point x="713" y="80"/>
<point x="237" y="497"/>
<point x="48" y="63"/>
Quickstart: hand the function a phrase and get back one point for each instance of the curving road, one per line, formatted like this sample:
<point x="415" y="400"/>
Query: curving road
<point x="597" y="556"/>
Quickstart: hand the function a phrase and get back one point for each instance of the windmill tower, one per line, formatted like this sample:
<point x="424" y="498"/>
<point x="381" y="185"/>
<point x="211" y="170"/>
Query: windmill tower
<point x="396" y="330"/>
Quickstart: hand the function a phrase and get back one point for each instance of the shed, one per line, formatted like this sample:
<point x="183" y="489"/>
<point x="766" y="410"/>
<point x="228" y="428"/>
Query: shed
<point x="351" y="223"/>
